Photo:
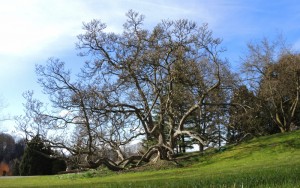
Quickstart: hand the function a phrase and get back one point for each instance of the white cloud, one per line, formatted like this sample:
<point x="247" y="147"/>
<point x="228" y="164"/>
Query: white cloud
<point x="34" y="30"/>
<point x="29" y="26"/>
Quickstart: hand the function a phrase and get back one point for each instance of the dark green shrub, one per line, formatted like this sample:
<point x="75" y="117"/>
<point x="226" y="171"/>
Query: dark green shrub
<point x="36" y="159"/>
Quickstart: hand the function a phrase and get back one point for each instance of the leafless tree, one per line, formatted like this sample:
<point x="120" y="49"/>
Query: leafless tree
<point x="273" y="70"/>
<point x="75" y="108"/>
<point x="145" y="72"/>
<point x="139" y="83"/>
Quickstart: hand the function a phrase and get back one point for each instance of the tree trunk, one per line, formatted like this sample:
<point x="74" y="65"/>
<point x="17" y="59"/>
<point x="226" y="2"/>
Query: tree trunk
<point x="201" y="148"/>
<point x="183" y="144"/>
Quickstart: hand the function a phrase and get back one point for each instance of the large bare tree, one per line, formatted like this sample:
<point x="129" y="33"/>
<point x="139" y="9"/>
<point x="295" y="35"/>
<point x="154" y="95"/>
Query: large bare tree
<point x="145" y="72"/>
<point x="138" y="83"/>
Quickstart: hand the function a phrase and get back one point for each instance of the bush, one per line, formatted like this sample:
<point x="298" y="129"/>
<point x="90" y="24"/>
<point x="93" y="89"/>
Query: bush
<point x="58" y="166"/>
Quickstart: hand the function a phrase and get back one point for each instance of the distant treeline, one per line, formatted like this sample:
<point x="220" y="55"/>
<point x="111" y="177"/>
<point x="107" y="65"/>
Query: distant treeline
<point x="11" y="151"/>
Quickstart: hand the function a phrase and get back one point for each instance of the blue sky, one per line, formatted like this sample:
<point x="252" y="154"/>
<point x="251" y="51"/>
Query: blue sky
<point x="34" y="30"/>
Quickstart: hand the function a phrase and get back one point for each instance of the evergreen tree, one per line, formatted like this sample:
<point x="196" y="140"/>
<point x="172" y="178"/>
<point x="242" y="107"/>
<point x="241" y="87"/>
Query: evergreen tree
<point x="16" y="167"/>
<point x="36" y="159"/>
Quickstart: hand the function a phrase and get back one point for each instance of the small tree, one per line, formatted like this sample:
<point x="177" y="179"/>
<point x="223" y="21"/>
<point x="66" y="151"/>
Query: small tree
<point x="16" y="167"/>
<point x="36" y="159"/>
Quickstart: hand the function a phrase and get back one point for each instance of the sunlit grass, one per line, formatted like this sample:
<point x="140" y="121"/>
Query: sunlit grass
<point x="272" y="161"/>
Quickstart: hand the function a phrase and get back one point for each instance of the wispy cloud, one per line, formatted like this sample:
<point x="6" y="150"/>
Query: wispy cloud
<point x="30" y="26"/>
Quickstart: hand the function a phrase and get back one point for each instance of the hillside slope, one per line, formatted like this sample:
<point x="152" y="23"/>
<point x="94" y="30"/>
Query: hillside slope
<point x="272" y="161"/>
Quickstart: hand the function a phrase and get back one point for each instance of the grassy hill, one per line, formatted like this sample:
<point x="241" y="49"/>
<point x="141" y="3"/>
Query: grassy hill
<point x="272" y="161"/>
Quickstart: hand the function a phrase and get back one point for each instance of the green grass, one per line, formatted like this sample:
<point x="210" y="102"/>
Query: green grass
<point x="272" y="161"/>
